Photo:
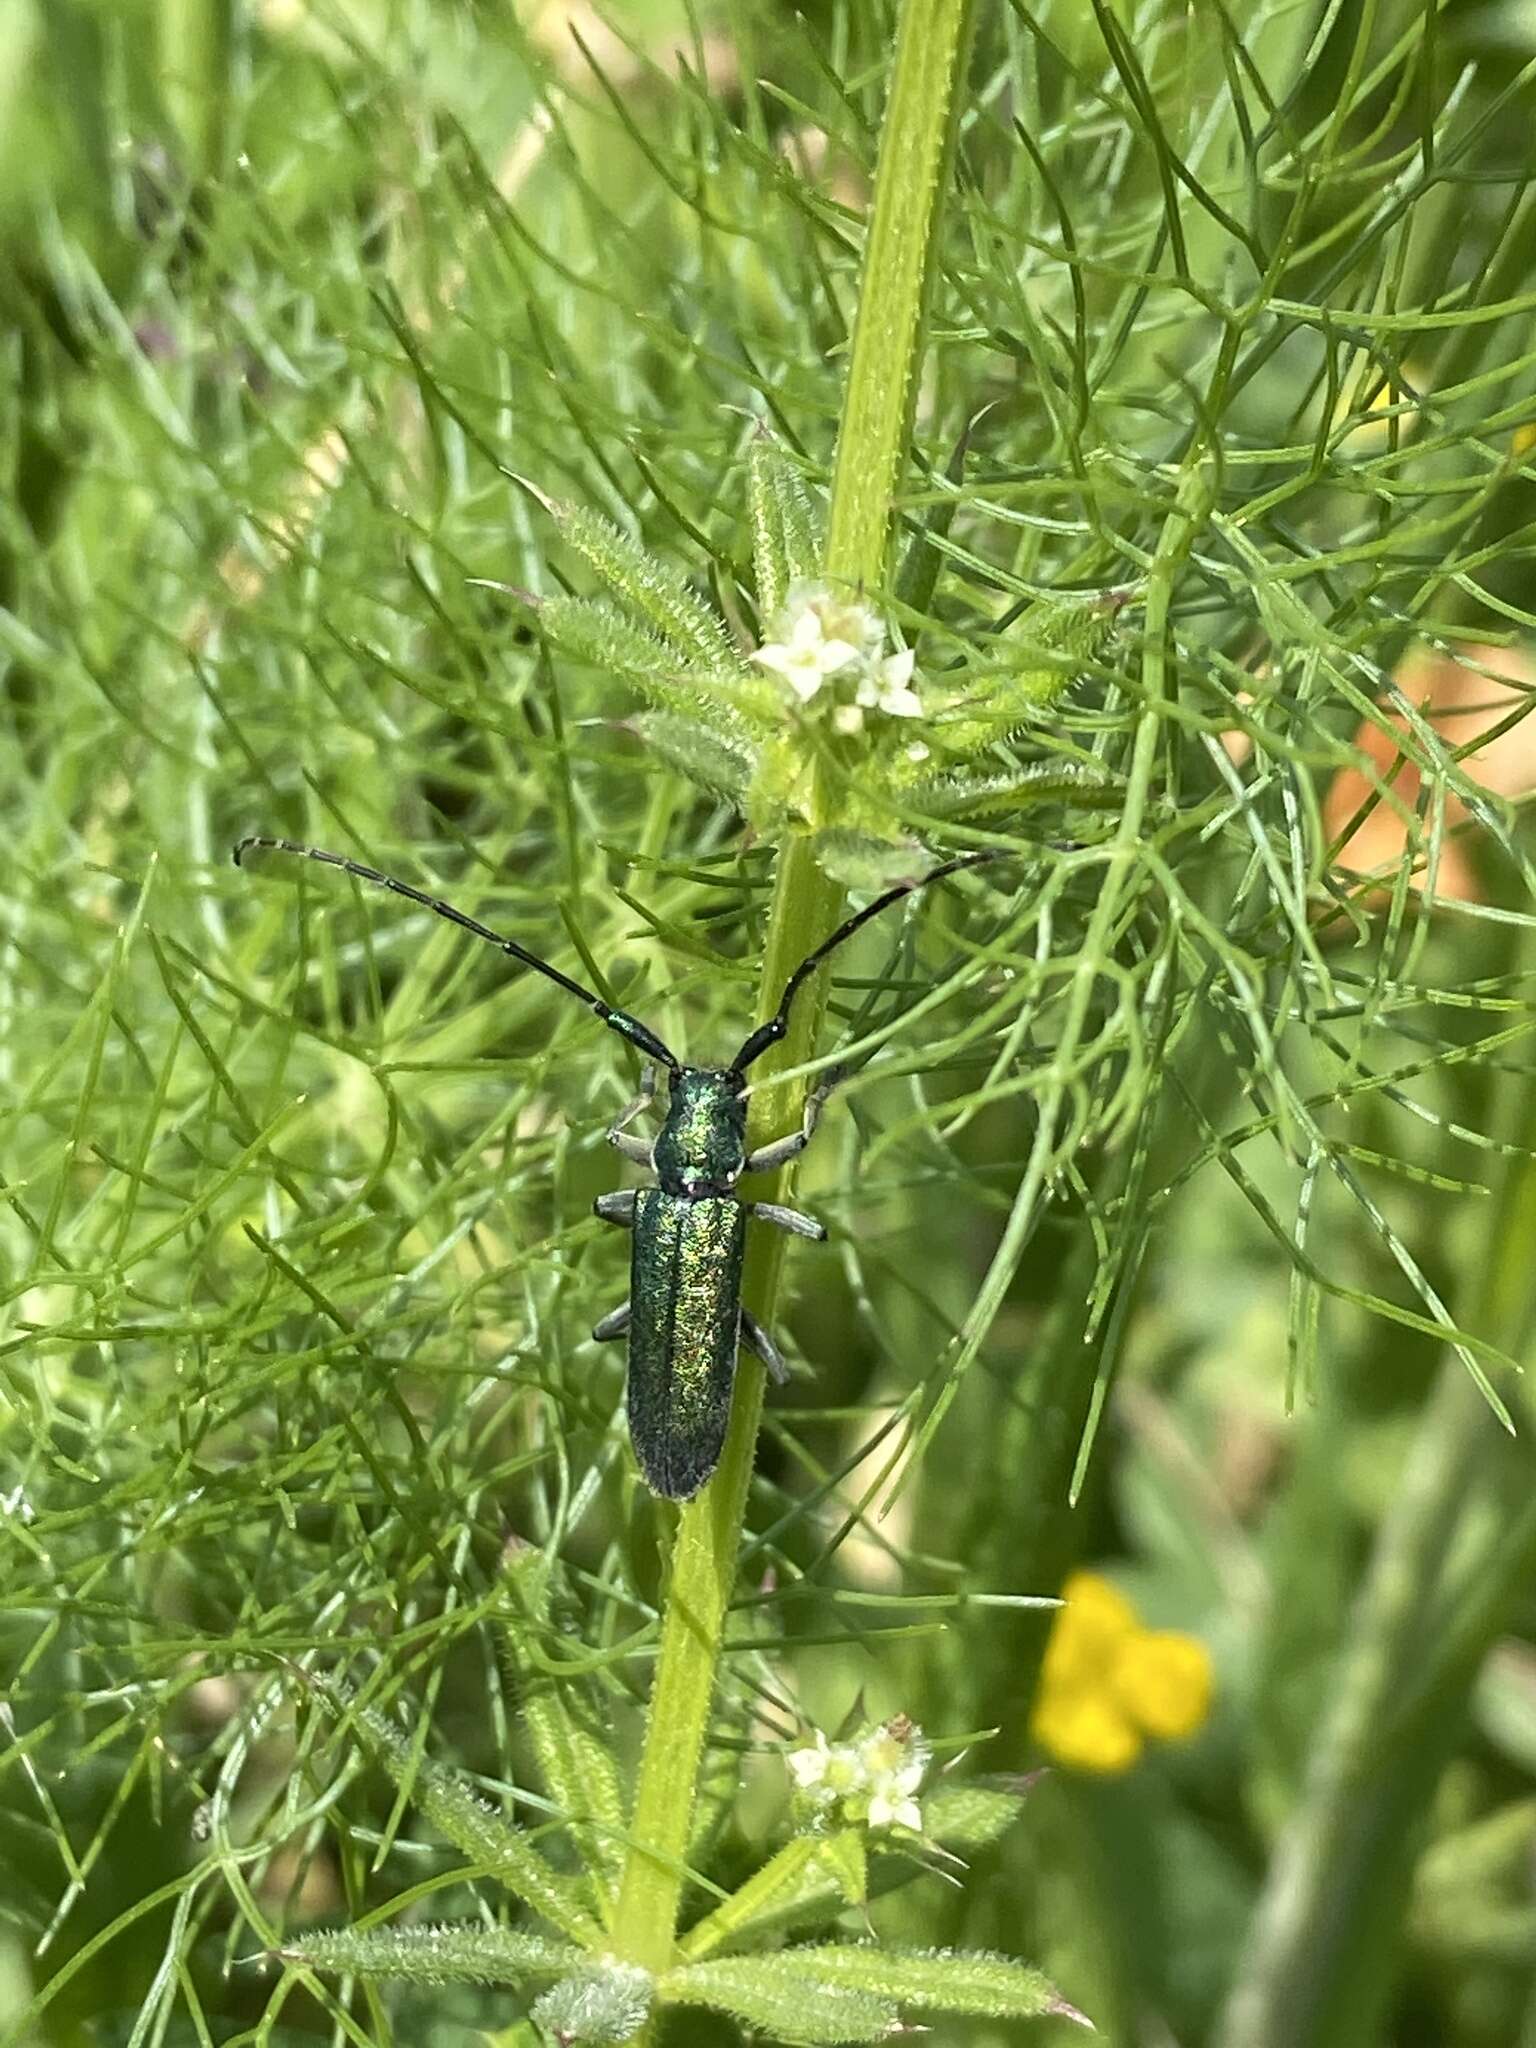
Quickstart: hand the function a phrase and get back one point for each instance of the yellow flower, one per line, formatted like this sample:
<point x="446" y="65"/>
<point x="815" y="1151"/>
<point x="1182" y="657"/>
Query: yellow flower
<point x="1086" y="1732"/>
<point x="1096" y="1620"/>
<point x="1107" y="1683"/>
<point x="1164" y="1680"/>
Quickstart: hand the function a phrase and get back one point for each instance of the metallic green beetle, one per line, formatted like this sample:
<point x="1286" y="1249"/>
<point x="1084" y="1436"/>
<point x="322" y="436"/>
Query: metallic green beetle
<point x="684" y="1317"/>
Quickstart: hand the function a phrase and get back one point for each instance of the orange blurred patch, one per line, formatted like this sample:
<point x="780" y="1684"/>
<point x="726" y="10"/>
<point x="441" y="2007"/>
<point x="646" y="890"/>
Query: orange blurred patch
<point x="1463" y="706"/>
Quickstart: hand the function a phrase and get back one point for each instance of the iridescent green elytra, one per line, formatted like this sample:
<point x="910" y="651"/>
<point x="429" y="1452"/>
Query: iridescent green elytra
<point x="684" y="1329"/>
<point x="684" y="1316"/>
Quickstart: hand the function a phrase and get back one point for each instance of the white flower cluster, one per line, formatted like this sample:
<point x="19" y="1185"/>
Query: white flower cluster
<point x="822" y="636"/>
<point x="871" y="1781"/>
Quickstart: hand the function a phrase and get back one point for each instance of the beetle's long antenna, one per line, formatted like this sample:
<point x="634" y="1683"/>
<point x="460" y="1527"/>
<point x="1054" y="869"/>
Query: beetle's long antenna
<point x="774" y="1029"/>
<point x="628" y="1027"/>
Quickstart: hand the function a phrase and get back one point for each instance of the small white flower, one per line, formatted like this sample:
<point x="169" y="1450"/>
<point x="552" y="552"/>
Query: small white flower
<point x="808" y="1767"/>
<point x="846" y="1772"/>
<point x="910" y="1776"/>
<point x="888" y="1811"/>
<point x="895" y="1757"/>
<point x="842" y="618"/>
<point x="897" y="698"/>
<point x="820" y="634"/>
<point x="887" y="687"/>
<point x="827" y="1773"/>
<point x="806" y="656"/>
<point x="917" y="751"/>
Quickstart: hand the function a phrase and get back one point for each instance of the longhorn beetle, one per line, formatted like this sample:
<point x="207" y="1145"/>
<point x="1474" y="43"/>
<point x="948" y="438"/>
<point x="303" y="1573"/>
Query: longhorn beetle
<point x="684" y="1317"/>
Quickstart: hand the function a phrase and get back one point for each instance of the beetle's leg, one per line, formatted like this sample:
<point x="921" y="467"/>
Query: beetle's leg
<point x="614" y="1324"/>
<point x="793" y="1220"/>
<point x="619" y="1207"/>
<point x="643" y="1100"/>
<point x="769" y="1158"/>
<point x="761" y="1345"/>
<point x="637" y="1150"/>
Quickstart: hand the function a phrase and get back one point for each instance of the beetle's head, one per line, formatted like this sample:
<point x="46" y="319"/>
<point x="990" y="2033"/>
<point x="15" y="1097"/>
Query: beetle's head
<point x="702" y="1146"/>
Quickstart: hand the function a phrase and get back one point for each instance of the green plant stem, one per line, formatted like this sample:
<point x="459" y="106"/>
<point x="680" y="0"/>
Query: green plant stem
<point x="916" y="144"/>
<point x="709" y="1528"/>
<point x="916" y="139"/>
<point x="1317" y="1971"/>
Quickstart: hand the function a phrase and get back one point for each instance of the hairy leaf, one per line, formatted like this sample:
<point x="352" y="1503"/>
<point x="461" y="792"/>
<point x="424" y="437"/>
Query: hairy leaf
<point x="786" y="545"/>
<point x="606" y="2001"/>
<point x="791" y="2006"/>
<point x="1038" y="782"/>
<point x="722" y="766"/>
<point x="575" y="1762"/>
<point x="935" y="1979"/>
<point x="968" y="1817"/>
<point x="464" y="1952"/>
<point x="861" y="861"/>
<point x="470" y="1822"/>
<point x="653" y="590"/>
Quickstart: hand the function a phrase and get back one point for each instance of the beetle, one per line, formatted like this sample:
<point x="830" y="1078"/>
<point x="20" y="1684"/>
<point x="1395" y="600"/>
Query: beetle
<point x="684" y="1317"/>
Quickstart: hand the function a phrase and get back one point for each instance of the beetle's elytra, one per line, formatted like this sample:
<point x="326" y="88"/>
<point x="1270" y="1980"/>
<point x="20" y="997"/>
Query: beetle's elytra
<point x="684" y="1317"/>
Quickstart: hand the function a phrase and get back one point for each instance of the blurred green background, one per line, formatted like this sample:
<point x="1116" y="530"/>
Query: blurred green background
<point x="294" y="1193"/>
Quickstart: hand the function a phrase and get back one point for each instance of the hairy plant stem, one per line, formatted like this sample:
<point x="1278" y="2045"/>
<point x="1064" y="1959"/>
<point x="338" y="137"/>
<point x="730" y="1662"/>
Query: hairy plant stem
<point x="931" y="49"/>
<point x="708" y="1540"/>
<point x="916" y="144"/>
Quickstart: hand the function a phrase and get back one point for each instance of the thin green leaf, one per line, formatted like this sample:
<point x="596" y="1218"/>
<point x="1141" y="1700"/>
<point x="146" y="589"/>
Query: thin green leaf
<point x="919" y="574"/>
<point x="806" y="1869"/>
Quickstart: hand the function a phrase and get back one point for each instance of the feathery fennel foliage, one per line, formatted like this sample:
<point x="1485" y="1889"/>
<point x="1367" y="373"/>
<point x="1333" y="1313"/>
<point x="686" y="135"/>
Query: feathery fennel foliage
<point x="325" y="322"/>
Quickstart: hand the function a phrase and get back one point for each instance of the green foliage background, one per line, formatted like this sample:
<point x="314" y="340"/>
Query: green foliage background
<point x="297" y="1260"/>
